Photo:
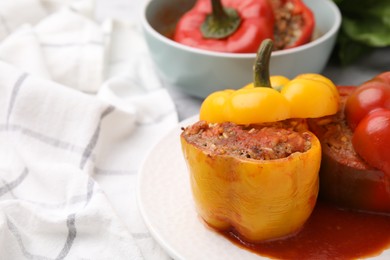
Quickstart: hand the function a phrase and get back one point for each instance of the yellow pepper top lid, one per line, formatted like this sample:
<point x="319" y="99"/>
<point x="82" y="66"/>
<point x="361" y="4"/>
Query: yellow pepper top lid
<point x="271" y="99"/>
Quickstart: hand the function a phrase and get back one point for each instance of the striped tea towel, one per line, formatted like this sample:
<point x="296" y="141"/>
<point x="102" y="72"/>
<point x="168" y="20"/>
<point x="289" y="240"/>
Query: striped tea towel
<point x="79" y="109"/>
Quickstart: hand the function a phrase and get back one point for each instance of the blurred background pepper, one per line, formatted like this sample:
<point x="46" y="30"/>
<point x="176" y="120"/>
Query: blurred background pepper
<point x="365" y="26"/>
<point x="240" y="26"/>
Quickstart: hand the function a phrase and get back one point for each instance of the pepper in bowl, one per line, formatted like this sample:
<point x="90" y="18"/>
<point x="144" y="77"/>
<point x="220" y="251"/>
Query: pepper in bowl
<point x="240" y="26"/>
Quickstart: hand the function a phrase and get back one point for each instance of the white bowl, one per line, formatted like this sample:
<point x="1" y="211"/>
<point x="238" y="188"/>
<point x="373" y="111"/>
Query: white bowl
<point x="201" y="72"/>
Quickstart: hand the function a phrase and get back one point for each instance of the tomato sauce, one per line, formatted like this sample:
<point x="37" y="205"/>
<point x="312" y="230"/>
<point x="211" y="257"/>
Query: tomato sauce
<point x="330" y="233"/>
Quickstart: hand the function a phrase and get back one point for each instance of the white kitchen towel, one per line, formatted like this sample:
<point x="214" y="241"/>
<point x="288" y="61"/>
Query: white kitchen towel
<point x="80" y="107"/>
<point x="65" y="47"/>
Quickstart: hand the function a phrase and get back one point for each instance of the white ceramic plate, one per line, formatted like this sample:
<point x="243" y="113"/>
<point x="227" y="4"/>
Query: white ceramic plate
<point x="165" y="201"/>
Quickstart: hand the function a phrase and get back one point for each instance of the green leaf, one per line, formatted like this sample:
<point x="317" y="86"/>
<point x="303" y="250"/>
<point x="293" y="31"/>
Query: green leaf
<point x="365" y="25"/>
<point x="372" y="32"/>
<point x="348" y="51"/>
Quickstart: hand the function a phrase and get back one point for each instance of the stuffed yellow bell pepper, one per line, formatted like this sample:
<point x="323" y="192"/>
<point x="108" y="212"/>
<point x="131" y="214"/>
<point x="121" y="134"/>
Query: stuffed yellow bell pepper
<point x="252" y="168"/>
<point x="260" y="199"/>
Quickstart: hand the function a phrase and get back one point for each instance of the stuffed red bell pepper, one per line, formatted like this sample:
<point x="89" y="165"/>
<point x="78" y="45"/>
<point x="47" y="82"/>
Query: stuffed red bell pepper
<point x="355" y="143"/>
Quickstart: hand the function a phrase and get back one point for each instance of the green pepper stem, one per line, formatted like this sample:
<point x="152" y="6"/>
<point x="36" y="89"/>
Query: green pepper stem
<point x="261" y="74"/>
<point x="221" y="23"/>
<point x="218" y="11"/>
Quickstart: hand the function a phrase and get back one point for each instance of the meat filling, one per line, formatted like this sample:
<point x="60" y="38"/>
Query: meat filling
<point x="259" y="142"/>
<point x="287" y="24"/>
<point x="336" y="137"/>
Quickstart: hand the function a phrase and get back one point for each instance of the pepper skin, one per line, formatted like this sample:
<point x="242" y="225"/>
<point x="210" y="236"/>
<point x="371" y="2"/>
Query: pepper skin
<point x="311" y="96"/>
<point x="277" y="82"/>
<point x="348" y="181"/>
<point x="306" y="96"/>
<point x="245" y="106"/>
<point x="353" y="186"/>
<point x="257" y="21"/>
<point x="260" y="199"/>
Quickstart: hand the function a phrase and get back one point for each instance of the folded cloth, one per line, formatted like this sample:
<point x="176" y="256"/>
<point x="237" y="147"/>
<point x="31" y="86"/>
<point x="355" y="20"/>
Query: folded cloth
<point x="65" y="47"/>
<point x="17" y="12"/>
<point x="80" y="107"/>
<point x="51" y="206"/>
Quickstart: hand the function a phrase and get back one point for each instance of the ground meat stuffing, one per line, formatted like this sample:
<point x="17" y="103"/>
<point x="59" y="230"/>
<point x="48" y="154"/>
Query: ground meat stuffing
<point x="260" y="142"/>
<point x="336" y="137"/>
<point x="287" y="24"/>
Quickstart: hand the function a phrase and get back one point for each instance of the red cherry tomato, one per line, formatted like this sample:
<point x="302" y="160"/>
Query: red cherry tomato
<point x="368" y="113"/>
<point x="371" y="95"/>
<point x="371" y="139"/>
<point x="384" y="77"/>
